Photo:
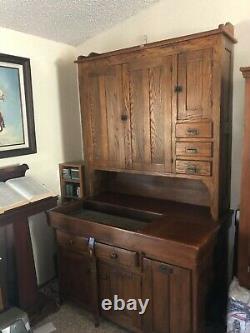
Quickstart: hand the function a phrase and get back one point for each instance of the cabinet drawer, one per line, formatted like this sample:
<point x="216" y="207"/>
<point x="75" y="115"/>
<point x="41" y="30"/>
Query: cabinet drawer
<point x="193" y="168"/>
<point x="116" y="255"/>
<point x="73" y="243"/>
<point x="194" y="130"/>
<point x="194" y="149"/>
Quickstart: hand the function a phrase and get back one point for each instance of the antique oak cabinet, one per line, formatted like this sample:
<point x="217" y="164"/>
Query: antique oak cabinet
<point x="157" y="144"/>
<point x="244" y="229"/>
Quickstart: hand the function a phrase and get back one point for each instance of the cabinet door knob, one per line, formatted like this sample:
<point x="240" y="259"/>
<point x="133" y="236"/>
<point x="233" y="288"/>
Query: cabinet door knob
<point x="113" y="255"/>
<point x="178" y="89"/>
<point x="124" y="117"/>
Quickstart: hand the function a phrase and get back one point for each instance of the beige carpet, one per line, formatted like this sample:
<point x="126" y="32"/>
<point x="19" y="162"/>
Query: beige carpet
<point x="72" y="319"/>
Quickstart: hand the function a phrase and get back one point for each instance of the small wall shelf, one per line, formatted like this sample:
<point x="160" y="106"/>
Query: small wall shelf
<point x="71" y="180"/>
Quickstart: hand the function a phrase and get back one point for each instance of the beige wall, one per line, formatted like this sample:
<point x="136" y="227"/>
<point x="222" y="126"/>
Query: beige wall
<point x="55" y="103"/>
<point x="171" y="18"/>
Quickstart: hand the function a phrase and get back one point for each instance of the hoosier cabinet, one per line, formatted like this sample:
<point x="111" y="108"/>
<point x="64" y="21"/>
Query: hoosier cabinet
<point x="156" y="123"/>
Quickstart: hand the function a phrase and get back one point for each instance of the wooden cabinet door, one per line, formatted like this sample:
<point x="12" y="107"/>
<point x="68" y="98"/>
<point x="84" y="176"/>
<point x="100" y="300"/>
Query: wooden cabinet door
<point x="169" y="291"/>
<point x="194" y="87"/>
<point x="117" y="280"/>
<point x="100" y="91"/>
<point x="147" y="89"/>
<point x="75" y="277"/>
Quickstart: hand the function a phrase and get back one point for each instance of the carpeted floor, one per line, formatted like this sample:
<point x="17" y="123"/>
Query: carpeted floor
<point x="72" y="319"/>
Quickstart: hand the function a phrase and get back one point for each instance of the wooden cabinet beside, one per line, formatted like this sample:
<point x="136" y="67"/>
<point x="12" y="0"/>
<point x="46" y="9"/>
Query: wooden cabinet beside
<point x="139" y="104"/>
<point x="244" y="230"/>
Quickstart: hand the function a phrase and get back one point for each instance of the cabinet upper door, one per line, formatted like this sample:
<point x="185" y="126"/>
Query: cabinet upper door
<point x="100" y="91"/>
<point x="194" y="87"/>
<point x="147" y="89"/>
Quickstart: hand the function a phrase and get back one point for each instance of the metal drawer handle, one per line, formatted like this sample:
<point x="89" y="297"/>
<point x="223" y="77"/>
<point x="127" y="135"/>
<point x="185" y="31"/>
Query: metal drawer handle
<point x="113" y="255"/>
<point x="192" y="131"/>
<point x="165" y="269"/>
<point x="192" y="169"/>
<point x="192" y="150"/>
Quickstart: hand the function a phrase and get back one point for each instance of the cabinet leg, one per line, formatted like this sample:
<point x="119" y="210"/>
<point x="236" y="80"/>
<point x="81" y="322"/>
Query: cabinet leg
<point x="97" y="321"/>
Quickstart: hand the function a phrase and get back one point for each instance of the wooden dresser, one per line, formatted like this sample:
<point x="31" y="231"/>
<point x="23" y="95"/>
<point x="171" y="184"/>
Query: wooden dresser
<point x="244" y="226"/>
<point x="157" y="144"/>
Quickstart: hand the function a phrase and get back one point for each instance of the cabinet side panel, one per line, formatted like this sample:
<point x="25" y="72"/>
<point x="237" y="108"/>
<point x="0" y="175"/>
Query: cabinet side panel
<point x="226" y="132"/>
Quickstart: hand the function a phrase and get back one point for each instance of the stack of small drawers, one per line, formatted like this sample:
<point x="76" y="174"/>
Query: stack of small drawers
<point x="194" y="148"/>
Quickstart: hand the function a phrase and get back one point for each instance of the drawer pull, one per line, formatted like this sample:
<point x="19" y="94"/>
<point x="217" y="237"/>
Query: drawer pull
<point x="192" y="131"/>
<point x="114" y="255"/>
<point x="71" y="242"/>
<point x="192" y="169"/>
<point x="192" y="150"/>
<point x="165" y="269"/>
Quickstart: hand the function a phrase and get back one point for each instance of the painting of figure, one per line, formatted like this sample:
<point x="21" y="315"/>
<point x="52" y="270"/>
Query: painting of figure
<point x="12" y="131"/>
<point x="17" y="135"/>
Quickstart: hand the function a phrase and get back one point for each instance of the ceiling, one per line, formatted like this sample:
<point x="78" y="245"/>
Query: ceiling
<point x="67" y="21"/>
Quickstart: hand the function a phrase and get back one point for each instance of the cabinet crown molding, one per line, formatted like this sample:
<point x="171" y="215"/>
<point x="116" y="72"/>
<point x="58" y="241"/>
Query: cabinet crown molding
<point x="226" y="29"/>
<point x="245" y="72"/>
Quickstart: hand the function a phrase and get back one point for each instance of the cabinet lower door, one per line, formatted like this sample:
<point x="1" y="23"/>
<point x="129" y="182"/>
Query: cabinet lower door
<point x="116" y="280"/>
<point x="168" y="289"/>
<point x="75" y="277"/>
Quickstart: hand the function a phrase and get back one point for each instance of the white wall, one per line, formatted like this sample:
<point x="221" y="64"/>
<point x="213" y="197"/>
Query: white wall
<point x="56" y="108"/>
<point x="172" y="18"/>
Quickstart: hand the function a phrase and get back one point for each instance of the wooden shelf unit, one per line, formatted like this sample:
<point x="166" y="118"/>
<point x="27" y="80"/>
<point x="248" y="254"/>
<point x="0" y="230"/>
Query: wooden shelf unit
<point x="75" y="165"/>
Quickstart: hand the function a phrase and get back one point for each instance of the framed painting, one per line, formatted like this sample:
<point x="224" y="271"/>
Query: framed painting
<point x="17" y="128"/>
